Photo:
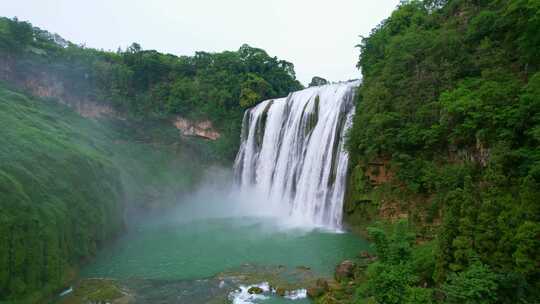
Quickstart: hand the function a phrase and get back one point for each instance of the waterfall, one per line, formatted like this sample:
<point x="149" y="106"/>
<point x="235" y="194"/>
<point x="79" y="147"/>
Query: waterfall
<point x="292" y="157"/>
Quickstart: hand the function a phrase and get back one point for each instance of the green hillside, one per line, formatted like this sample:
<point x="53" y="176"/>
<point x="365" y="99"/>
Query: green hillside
<point x="66" y="183"/>
<point x="146" y="84"/>
<point x="61" y="197"/>
<point x="447" y="134"/>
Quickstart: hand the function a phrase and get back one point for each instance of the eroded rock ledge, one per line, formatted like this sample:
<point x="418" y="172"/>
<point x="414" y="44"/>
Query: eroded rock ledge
<point x="202" y="128"/>
<point x="44" y="85"/>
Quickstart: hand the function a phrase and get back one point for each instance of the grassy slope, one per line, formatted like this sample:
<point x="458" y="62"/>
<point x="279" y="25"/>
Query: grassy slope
<point x="65" y="182"/>
<point x="60" y="196"/>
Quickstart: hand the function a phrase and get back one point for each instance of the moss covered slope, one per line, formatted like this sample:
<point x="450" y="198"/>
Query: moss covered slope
<point x="60" y="197"/>
<point x="66" y="183"/>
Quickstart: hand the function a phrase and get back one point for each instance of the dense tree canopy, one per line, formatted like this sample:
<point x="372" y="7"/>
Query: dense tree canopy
<point x="149" y="84"/>
<point x="451" y="101"/>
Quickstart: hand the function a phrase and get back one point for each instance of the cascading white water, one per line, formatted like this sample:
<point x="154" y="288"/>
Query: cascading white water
<point x="292" y="158"/>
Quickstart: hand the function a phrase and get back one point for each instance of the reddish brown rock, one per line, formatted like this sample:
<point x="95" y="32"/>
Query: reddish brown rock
<point x="202" y="128"/>
<point x="345" y="271"/>
<point x="315" y="292"/>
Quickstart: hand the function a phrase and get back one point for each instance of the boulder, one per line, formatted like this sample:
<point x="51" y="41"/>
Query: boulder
<point x="322" y="283"/>
<point x="365" y="255"/>
<point x="315" y="292"/>
<point x="317" y="81"/>
<point x="345" y="271"/>
<point x="280" y="291"/>
<point x="321" y="286"/>
<point x="255" y="290"/>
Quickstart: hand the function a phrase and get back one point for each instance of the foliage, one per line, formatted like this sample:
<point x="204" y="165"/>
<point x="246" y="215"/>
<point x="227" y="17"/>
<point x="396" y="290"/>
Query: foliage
<point x="476" y="285"/>
<point x="400" y="268"/>
<point x="394" y="248"/>
<point x="451" y="100"/>
<point x="253" y="90"/>
<point x="64" y="180"/>
<point x="389" y="283"/>
<point x="65" y="183"/>
<point x="146" y="83"/>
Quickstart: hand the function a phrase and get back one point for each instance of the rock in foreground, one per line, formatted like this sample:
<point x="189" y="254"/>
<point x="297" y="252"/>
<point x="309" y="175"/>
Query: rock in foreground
<point x="255" y="290"/>
<point x="345" y="271"/>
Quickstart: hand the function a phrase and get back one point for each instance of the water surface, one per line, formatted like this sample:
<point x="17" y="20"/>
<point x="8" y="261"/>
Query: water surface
<point x="180" y="256"/>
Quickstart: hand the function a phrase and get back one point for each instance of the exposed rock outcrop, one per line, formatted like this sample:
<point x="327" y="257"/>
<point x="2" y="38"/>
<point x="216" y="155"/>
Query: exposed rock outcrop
<point x="255" y="290"/>
<point x="46" y="85"/>
<point x="479" y="154"/>
<point x="317" y="81"/>
<point x="202" y="128"/>
<point x="378" y="172"/>
<point x="321" y="286"/>
<point x="345" y="270"/>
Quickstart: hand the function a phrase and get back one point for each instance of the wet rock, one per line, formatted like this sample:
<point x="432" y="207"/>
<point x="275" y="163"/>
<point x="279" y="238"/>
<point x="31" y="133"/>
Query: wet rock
<point x="317" y="81"/>
<point x="315" y="292"/>
<point x="255" y="290"/>
<point x="321" y="287"/>
<point x="345" y="271"/>
<point x="280" y="291"/>
<point x="322" y="283"/>
<point x="365" y="255"/>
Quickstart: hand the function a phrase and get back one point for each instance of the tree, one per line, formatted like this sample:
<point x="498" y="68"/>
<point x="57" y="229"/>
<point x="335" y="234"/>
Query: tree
<point x="393" y="249"/>
<point x="16" y="36"/>
<point x="254" y="89"/>
<point x="475" y="285"/>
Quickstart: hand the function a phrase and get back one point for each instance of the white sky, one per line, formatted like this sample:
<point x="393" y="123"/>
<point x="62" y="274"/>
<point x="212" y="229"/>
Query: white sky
<point x="318" y="36"/>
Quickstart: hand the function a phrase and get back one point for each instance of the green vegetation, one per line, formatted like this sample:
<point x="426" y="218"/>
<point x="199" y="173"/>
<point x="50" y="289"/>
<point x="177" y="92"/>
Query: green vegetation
<point x="450" y="108"/>
<point x="446" y="134"/>
<point x="66" y="182"/>
<point x="96" y="291"/>
<point x="145" y="83"/>
<point x="60" y="197"/>
<point x="400" y="271"/>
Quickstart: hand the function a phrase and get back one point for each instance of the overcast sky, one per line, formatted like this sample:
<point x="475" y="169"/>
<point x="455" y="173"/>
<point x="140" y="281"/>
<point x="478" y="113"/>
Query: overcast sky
<point x="318" y="36"/>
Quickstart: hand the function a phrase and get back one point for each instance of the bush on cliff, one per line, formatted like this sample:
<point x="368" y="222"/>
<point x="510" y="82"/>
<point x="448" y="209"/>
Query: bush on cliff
<point x="450" y="103"/>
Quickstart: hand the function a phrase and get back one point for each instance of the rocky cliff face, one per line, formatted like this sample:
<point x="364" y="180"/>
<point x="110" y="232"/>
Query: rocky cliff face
<point x="378" y="172"/>
<point x="49" y="87"/>
<point x="45" y="85"/>
<point x="202" y="128"/>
